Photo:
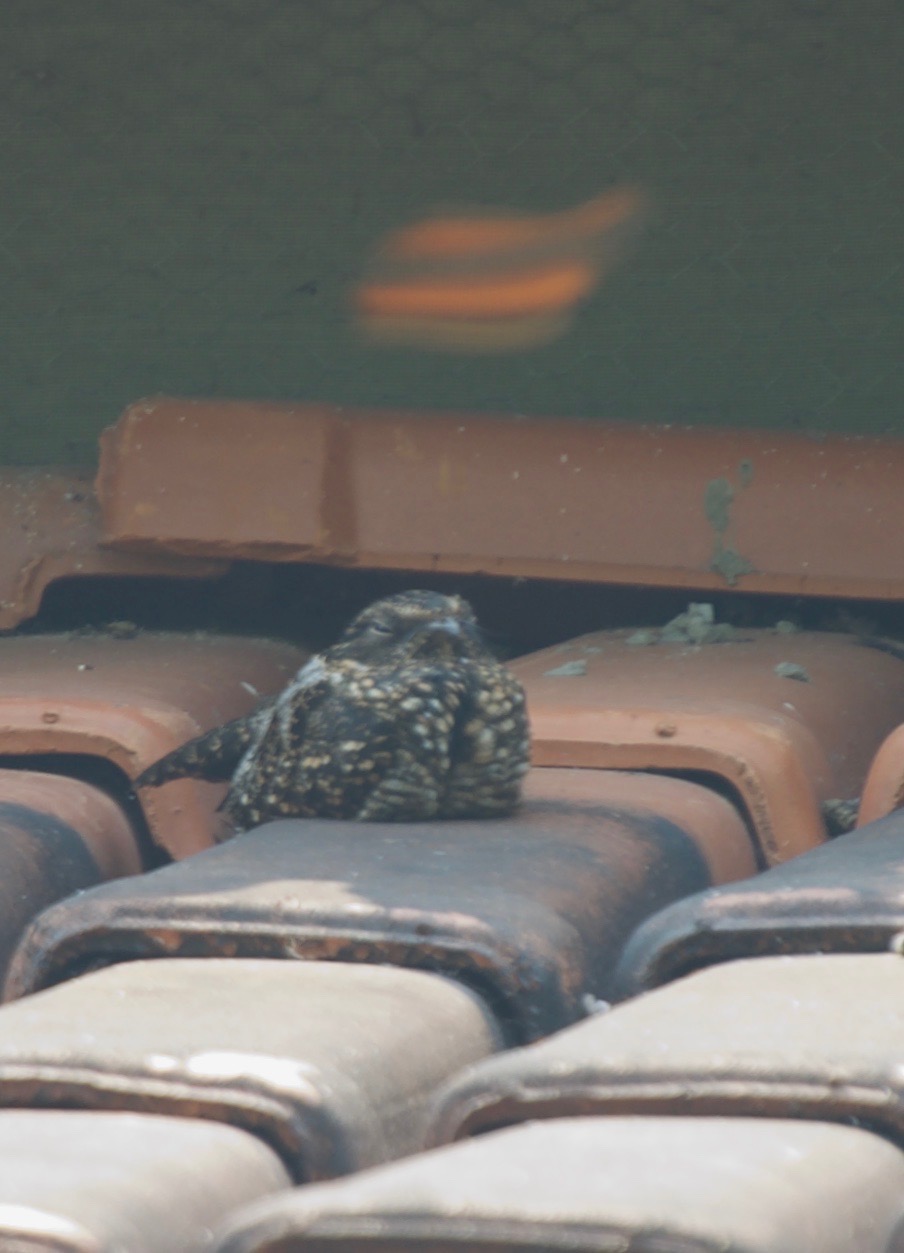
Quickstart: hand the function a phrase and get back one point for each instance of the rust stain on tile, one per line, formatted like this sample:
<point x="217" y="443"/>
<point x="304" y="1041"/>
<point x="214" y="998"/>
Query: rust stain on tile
<point x="532" y="910"/>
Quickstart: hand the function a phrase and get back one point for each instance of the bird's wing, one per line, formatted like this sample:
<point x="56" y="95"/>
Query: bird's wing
<point x="281" y="730"/>
<point x="213" y="756"/>
<point x="290" y="711"/>
<point x="277" y="746"/>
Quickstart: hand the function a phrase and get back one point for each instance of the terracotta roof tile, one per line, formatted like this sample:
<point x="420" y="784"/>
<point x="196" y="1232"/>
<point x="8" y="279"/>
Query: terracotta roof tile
<point x="531" y="910"/>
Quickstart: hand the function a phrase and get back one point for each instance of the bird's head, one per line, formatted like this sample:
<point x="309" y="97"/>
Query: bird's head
<point x="412" y="626"/>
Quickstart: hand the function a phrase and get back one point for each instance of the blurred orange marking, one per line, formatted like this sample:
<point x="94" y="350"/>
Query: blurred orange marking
<point x="544" y="289"/>
<point x="460" y="335"/>
<point x="493" y="283"/>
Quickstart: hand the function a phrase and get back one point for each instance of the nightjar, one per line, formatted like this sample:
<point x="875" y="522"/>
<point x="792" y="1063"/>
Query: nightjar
<point x="407" y="717"/>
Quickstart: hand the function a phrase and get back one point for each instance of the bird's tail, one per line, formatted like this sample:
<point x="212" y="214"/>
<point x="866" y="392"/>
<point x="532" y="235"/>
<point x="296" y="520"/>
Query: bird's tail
<point x="214" y="756"/>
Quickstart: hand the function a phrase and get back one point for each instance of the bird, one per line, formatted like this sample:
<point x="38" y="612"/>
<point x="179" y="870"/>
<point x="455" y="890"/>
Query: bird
<point x="407" y="717"/>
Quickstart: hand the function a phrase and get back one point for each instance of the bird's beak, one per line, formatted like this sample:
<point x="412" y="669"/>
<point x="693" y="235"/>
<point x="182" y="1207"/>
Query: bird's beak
<point x="450" y="626"/>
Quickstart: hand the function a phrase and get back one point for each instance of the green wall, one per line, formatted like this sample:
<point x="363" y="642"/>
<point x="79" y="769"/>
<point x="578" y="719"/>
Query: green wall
<point x="188" y="189"/>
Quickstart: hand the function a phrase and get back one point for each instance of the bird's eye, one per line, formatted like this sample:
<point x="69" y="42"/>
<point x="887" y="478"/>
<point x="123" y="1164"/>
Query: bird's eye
<point x="379" y="628"/>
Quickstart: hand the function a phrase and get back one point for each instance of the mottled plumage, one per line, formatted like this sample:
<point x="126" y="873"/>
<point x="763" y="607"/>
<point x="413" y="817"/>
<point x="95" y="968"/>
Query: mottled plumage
<point x="407" y="717"/>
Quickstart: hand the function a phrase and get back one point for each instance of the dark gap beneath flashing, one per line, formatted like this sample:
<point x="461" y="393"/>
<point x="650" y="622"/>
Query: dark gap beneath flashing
<point x="309" y="604"/>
